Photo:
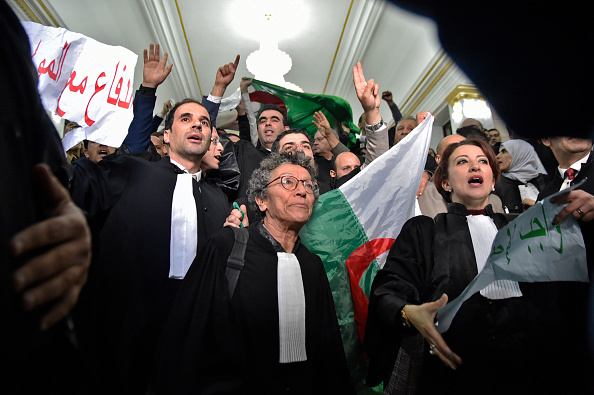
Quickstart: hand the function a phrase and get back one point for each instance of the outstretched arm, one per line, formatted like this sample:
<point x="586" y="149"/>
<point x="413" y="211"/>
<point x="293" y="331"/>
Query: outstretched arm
<point x="375" y="129"/>
<point x="154" y="72"/>
<point x="423" y="318"/>
<point x="225" y="75"/>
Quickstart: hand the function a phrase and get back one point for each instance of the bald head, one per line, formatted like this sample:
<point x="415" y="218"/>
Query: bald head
<point x="472" y="122"/>
<point x="443" y="144"/>
<point x="344" y="164"/>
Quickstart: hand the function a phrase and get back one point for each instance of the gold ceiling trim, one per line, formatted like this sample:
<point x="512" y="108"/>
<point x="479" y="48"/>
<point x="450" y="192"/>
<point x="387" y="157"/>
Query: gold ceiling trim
<point x="188" y="45"/>
<point x="28" y="11"/>
<point x="56" y="24"/>
<point x="424" y="79"/>
<point x="463" y="92"/>
<point x="338" y="46"/>
<point x="430" y="87"/>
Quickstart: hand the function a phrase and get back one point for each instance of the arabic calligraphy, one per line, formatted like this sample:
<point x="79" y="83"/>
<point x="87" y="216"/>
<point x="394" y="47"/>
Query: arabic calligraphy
<point x="537" y="229"/>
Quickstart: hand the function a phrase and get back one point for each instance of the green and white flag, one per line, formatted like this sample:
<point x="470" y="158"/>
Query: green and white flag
<point x="301" y="106"/>
<point x="352" y="228"/>
<point x="529" y="249"/>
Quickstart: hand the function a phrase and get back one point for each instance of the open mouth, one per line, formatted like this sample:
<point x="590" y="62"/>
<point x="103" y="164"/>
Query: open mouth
<point x="195" y="137"/>
<point x="103" y="152"/>
<point x="476" y="181"/>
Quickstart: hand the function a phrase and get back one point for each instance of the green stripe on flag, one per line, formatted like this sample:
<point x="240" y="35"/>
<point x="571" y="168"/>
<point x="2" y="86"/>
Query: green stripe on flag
<point x="301" y="107"/>
<point x="333" y="233"/>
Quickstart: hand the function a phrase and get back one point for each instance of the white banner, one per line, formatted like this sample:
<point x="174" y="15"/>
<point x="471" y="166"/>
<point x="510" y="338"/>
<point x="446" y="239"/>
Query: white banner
<point x="84" y="81"/>
<point x="529" y="249"/>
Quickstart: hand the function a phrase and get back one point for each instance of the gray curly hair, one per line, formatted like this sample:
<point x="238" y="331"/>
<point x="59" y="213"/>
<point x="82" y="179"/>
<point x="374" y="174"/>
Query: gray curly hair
<point x="261" y="176"/>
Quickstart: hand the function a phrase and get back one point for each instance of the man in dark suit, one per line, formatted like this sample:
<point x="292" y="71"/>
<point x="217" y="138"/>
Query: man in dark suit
<point x="566" y="306"/>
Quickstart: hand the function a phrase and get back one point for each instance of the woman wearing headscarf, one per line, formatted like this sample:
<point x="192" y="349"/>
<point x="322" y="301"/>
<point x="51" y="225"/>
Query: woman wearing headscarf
<point x="522" y="175"/>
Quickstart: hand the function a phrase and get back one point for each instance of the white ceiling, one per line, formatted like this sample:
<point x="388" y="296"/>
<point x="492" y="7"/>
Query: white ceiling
<point x="325" y="39"/>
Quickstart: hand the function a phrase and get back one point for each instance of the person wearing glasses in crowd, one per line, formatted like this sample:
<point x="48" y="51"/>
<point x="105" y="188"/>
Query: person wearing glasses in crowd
<point x="278" y="330"/>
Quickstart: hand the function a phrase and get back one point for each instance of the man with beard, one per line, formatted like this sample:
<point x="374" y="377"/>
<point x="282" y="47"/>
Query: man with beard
<point x="141" y="253"/>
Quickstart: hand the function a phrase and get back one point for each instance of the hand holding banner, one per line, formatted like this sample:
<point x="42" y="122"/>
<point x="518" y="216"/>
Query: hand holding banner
<point x="530" y="249"/>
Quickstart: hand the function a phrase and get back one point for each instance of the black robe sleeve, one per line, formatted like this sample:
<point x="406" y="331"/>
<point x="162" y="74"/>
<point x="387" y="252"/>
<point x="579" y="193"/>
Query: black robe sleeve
<point x="200" y="350"/>
<point x="405" y="279"/>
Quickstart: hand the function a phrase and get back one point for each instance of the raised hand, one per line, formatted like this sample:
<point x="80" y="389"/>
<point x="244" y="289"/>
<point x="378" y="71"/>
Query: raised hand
<point x="225" y="75"/>
<point x="367" y="91"/>
<point x="155" y="69"/>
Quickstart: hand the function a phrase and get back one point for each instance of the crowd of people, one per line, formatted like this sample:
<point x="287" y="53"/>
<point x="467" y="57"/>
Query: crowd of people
<point x="173" y="264"/>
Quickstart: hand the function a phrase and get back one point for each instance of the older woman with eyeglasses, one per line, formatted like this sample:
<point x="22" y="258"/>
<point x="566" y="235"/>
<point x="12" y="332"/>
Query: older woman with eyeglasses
<point x="278" y="331"/>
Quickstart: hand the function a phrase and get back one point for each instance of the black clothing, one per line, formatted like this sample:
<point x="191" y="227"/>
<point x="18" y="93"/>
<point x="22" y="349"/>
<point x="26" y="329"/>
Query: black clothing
<point x="324" y="167"/>
<point x="31" y="361"/>
<point x="429" y="258"/>
<point x="129" y="294"/>
<point x="568" y="306"/>
<point x="211" y="342"/>
<point x="508" y="192"/>
<point x="248" y="160"/>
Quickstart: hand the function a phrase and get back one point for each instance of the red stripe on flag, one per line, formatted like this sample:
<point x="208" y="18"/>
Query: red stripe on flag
<point x="267" y="98"/>
<point x="357" y="263"/>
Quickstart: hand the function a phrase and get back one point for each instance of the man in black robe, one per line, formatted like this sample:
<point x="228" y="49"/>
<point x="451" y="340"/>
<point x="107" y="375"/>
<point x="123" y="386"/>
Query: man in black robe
<point x="131" y="205"/>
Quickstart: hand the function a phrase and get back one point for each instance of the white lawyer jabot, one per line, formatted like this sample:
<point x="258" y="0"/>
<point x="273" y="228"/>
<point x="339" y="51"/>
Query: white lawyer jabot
<point x="482" y="232"/>
<point x="291" y="309"/>
<point x="184" y="224"/>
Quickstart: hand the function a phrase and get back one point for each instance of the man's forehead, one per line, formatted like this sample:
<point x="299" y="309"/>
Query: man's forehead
<point x="192" y="108"/>
<point x="271" y="114"/>
<point x="344" y="160"/>
<point x="295" y="138"/>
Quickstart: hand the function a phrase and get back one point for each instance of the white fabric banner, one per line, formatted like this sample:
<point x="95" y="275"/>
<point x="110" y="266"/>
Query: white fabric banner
<point x="84" y="81"/>
<point x="395" y="177"/>
<point x="529" y="249"/>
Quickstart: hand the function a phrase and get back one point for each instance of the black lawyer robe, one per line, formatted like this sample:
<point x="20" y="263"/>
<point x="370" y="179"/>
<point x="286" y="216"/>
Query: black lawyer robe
<point x="212" y="343"/>
<point x="430" y="258"/>
<point x="129" y="294"/>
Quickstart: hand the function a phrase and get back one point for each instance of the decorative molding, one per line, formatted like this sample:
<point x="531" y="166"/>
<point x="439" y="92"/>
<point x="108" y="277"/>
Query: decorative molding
<point x="36" y="11"/>
<point x="346" y="20"/>
<point x="463" y="92"/>
<point x="164" y="19"/>
<point x="435" y="84"/>
<point x="359" y="30"/>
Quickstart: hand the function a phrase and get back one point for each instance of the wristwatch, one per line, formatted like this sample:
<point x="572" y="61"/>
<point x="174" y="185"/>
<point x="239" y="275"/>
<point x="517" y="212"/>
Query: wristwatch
<point x="376" y="127"/>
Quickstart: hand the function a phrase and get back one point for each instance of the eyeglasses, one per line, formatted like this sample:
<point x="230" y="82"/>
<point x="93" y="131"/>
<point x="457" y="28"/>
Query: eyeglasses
<point x="290" y="183"/>
<point x="319" y="139"/>
<point x="215" y="140"/>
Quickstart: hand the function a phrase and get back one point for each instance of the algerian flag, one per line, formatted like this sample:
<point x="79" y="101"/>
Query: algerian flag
<point x="353" y="227"/>
<point x="529" y="249"/>
<point x="301" y="106"/>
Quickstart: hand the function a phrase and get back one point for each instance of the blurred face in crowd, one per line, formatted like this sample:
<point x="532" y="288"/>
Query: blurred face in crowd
<point x="494" y="137"/>
<point x="212" y="158"/>
<point x="270" y="126"/>
<point x="403" y="129"/>
<point x="568" y="150"/>
<point x="96" y="152"/>
<point x="470" y="177"/>
<point x="504" y="159"/>
<point x="345" y="163"/>
<point x="159" y="145"/>
<point x="296" y="142"/>
<point x="320" y="145"/>
<point x="189" y="137"/>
